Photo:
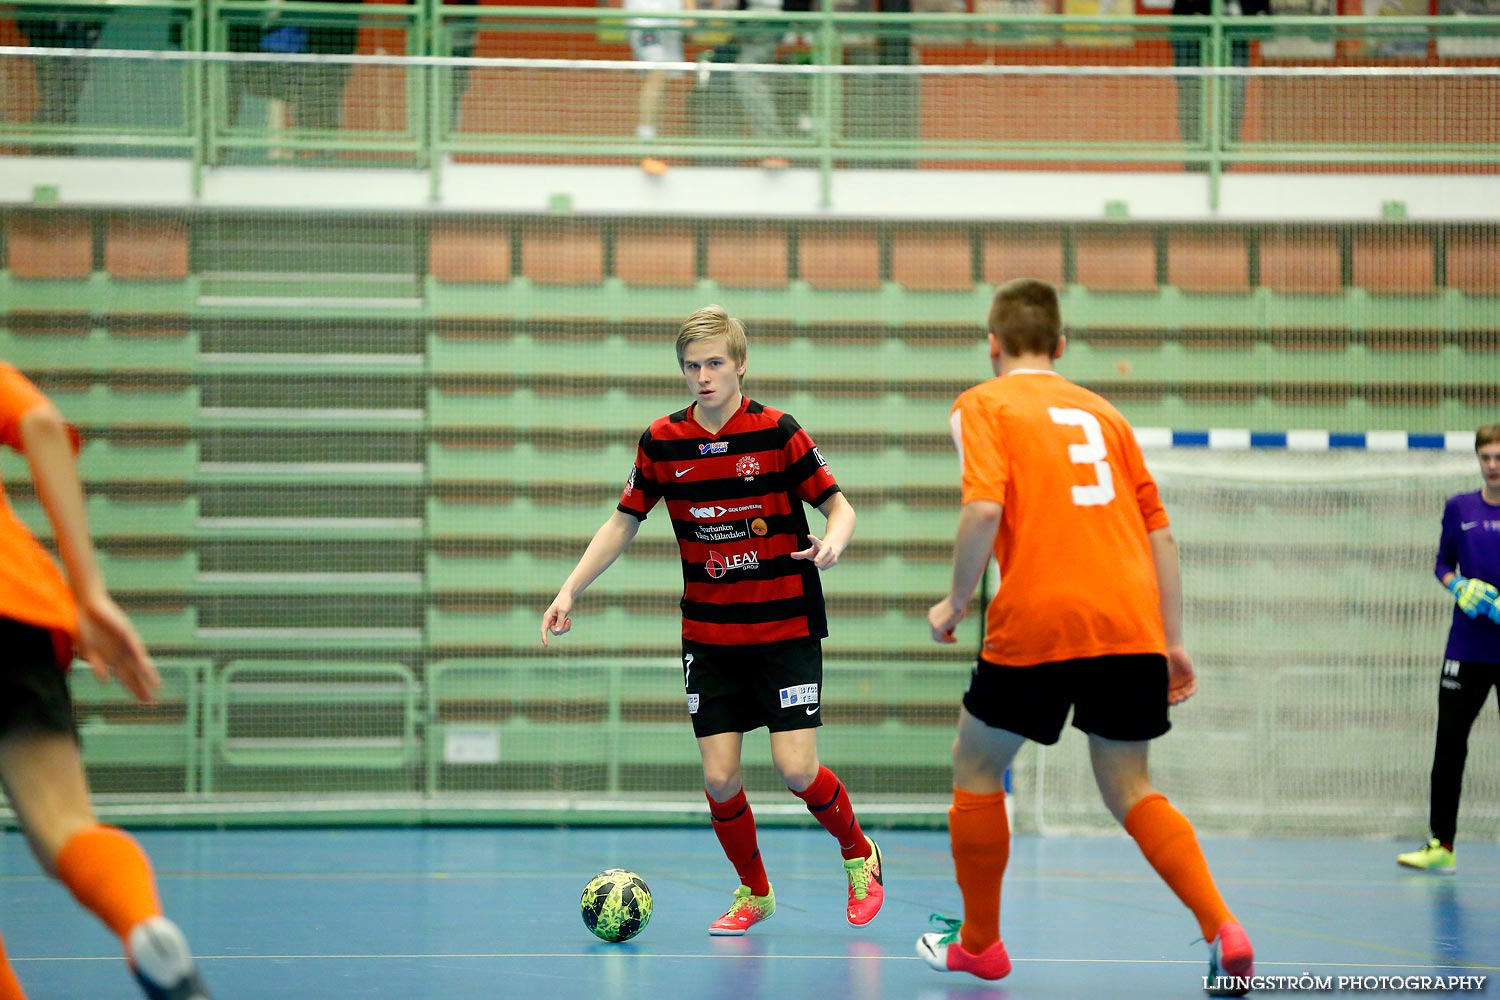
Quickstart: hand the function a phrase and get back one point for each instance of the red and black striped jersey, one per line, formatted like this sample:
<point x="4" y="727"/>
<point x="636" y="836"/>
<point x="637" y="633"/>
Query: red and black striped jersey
<point x="736" y="502"/>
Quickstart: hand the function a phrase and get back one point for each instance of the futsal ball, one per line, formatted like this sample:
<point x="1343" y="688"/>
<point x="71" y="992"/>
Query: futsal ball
<point x="616" y="905"/>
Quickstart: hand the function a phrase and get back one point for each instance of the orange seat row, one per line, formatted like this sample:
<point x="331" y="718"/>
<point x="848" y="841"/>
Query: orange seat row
<point x="1406" y="260"/>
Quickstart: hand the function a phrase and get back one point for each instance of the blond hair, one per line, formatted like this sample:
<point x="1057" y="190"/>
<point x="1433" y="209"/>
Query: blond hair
<point x="1025" y="317"/>
<point x="710" y="322"/>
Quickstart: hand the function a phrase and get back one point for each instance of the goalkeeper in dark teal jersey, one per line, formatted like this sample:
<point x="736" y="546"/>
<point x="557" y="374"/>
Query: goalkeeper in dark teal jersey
<point x="1468" y="564"/>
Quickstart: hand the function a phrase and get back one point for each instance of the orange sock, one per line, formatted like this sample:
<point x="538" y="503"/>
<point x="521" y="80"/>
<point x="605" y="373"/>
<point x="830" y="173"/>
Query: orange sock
<point x="980" y="832"/>
<point x="10" y="987"/>
<point x="1167" y="840"/>
<point x="107" y="872"/>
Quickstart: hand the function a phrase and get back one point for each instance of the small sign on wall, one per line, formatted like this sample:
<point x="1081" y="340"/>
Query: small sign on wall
<point x="471" y="745"/>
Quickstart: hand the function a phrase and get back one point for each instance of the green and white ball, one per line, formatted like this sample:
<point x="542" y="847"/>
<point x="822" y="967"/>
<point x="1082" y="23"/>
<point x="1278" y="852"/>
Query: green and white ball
<point x="616" y="905"/>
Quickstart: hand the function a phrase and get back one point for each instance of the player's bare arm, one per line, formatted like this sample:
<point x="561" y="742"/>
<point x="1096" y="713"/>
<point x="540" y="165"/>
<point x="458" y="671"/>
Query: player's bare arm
<point x="604" y="548"/>
<point x="978" y="523"/>
<point x="824" y="552"/>
<point x="1181" y="681"/>
<point x="106" y="638"/>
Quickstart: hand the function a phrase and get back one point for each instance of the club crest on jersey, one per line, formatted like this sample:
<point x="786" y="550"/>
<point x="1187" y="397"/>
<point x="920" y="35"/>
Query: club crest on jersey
<point x="714" y="448"/>
<point x="717" y="564"/>
<point x="747" y="467"/>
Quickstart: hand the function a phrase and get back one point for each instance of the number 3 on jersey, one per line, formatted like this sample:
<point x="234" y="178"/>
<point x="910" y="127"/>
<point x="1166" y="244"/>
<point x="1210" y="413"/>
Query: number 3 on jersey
<point x="1091" y="452"/>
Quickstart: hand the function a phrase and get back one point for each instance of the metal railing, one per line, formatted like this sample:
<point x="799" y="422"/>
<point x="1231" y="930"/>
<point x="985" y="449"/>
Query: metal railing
<point x="421" y="85"/>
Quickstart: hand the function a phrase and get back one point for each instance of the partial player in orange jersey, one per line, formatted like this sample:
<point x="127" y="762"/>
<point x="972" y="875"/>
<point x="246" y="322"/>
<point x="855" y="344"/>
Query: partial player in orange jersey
<point x="1088" y="617"/>
<point x="44" y="619"/>
<point x="734" y="477"/>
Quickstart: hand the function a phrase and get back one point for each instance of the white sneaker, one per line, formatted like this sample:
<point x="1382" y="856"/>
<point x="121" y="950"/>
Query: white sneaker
<point x="162" y="963"/>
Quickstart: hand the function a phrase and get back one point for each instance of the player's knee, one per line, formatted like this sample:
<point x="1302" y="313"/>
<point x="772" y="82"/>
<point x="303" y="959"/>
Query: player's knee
<point x="722" y="786"/>
<point x="798" y="778"/>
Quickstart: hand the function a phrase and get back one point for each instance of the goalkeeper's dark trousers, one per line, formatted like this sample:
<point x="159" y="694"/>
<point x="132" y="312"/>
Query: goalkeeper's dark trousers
<point x="1461" y="692"/>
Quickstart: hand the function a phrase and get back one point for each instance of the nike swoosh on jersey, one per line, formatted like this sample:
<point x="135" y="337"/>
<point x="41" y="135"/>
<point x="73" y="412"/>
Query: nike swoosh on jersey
<point x="682" y="472"/>
<point x="814" y="709"/>
<point x="1466" y="525"/>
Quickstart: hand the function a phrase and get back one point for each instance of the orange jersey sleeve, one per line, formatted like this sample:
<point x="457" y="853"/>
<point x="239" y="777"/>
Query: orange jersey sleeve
<point x="1077" y="577"/>
<point x="32" y="587"/>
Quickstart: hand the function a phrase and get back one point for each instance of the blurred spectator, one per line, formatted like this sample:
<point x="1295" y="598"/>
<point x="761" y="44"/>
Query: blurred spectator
<point x="654" y="40"/>
<point x="310" y="96"/>
<point x="60" y="79"/>
<point x="757" y="45"/>
<point x="1189" y="52"/>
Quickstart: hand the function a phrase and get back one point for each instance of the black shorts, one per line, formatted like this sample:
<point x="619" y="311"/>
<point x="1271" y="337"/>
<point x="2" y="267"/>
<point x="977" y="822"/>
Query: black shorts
<point x="734" y="689"/>
<point x="1116" y="697"/>
<point x="33" y="686"/>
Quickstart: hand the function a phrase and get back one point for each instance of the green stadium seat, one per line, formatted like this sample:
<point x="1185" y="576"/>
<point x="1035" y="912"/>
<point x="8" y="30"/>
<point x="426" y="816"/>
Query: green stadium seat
<point x="165" y="629"/>
<point x="535" y="353"/>
<point x="111" y="462"/>
<point x="111" y="520"/>
<point x="118" y="732"/>
<point x="149" y="571"/>
<point x="452" y="407"/>
<point x="99" y="351"/>
<point x="525" y="462"/>
<point x="895" y="522"/>
<point x="519" y="517"/>
<point x="105" y="406"/>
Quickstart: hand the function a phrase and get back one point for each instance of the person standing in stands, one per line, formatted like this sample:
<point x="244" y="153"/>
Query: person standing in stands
<point x="1189" y="52"/>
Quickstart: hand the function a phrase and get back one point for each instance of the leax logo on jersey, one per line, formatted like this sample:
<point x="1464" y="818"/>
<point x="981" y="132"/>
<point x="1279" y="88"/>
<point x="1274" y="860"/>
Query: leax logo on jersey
<point x="714" y="448"/>
<point x="717" y="564"/>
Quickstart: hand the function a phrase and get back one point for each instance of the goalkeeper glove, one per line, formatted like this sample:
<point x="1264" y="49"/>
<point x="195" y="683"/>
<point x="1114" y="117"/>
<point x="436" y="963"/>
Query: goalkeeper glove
<point x="1475" y="597"/>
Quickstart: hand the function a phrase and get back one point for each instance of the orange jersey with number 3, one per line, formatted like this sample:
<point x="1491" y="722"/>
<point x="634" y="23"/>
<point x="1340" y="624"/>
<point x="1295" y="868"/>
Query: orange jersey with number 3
<point x="1077" y="578"/>
<point x="32" y="587"/>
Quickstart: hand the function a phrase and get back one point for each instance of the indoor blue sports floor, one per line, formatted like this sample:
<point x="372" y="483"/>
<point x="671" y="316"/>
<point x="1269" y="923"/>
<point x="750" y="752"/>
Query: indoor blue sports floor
<point x="406" y="914"/>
